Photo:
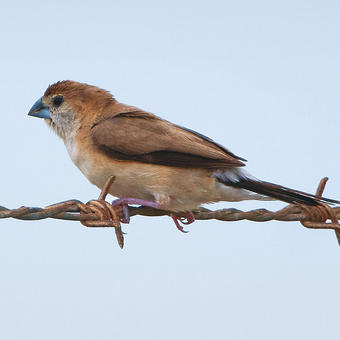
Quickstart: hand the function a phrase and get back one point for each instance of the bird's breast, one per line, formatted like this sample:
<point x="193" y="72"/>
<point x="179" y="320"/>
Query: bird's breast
<point x="80" y="158"/>
<point x="72" y="149"/>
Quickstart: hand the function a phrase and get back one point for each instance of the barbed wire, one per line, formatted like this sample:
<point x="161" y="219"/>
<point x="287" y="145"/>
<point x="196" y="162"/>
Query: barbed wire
<point x="100" y="213"/>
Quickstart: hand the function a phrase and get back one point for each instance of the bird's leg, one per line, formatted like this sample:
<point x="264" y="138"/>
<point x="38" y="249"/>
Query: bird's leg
<point x="124" y="203"/>
<point x="189" y="219"/>
<point x="126" y="214"/>
<point x="185" y="220"/>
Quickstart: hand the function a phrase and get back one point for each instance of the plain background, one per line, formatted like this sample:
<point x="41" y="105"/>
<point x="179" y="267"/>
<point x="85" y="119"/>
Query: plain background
<point x="260" y="77"/>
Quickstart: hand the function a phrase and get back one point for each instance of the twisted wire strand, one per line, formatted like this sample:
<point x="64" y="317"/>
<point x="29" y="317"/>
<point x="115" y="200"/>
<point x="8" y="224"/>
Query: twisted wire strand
<point x="100" y="213"/>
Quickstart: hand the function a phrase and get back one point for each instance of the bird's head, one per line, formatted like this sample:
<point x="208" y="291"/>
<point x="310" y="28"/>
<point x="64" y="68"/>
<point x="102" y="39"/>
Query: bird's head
<point x="67" y="105"/>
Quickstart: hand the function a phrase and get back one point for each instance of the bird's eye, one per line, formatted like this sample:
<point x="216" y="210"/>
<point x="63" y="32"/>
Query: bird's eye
<point x="58" y="100"/>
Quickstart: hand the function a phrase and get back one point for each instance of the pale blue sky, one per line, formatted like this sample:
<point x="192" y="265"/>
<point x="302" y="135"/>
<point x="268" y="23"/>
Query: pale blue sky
<point x="260" y="77"/>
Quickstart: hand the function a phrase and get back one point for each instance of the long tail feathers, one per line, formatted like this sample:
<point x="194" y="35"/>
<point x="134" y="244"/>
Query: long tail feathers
<point x="281" y="193"/>
<point x="278" y="192"/>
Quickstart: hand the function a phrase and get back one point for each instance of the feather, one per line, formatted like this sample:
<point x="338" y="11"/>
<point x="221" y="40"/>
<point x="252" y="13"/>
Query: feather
<point x="142" y="136"/>
<point x="273" y="190"/>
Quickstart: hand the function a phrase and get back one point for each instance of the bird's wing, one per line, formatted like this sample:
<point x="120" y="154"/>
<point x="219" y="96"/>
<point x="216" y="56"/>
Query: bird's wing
<point x="143" y="137"/>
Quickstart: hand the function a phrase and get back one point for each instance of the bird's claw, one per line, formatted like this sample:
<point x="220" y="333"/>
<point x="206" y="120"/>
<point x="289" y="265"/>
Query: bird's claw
<point x="123" y="203"/>
<point x="125" y="213"/>
<point x="190" y="218"/>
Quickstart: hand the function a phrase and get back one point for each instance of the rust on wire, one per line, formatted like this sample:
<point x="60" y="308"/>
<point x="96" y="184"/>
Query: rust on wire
<point x="100" y="213"/>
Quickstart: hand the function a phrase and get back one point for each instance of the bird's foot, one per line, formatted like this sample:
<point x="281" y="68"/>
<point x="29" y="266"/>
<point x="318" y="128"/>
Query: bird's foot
<point x="190" y="218"/>
<point x="124" y="204"/>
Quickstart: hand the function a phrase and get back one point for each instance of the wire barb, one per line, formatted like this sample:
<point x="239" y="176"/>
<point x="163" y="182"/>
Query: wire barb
<point x="318" y="215"/>
<point x="108" y="216"/>
<point x="100" y="213"/>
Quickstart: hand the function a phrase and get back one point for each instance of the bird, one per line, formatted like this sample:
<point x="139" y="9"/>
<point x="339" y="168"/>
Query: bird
<point x="155" y="163"/>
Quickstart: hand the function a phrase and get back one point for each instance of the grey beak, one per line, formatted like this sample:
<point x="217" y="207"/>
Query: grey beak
<point x="40" y="110"/>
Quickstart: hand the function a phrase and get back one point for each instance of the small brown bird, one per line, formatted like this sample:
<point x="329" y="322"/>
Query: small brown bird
<point x="155" y="163"/>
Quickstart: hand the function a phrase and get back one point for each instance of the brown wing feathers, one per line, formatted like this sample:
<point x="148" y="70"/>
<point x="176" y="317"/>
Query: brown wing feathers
<point x="143" y="137"/>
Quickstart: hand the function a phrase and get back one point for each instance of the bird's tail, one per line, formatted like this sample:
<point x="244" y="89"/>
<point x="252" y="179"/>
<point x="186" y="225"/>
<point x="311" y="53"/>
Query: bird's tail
<point x="277" y="191"/>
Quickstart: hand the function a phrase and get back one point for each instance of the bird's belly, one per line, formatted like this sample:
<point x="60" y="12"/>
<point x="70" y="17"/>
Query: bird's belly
<point x="180" y="188"/>
<point x="183" y="189"/>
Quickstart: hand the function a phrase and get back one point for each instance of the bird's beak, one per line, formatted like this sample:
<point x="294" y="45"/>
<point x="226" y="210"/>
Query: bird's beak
<point x="40" y="110"/>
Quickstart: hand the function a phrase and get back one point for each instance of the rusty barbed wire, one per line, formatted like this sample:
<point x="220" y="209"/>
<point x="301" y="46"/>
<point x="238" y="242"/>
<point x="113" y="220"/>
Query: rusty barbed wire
<point x="100" y="213"/>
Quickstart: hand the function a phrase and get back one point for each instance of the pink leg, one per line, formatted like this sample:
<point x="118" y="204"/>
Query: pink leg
<point x="188" y="220"/>
<point x="124" y="202"/>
